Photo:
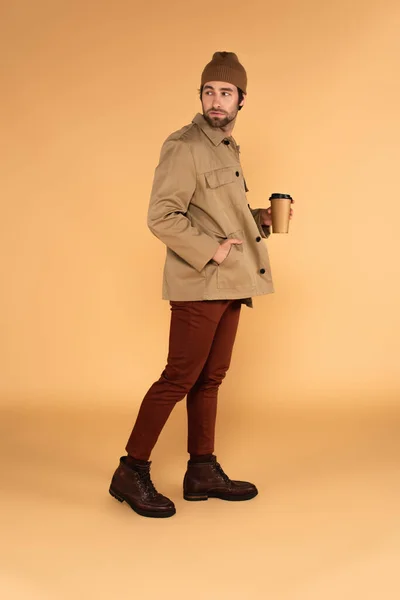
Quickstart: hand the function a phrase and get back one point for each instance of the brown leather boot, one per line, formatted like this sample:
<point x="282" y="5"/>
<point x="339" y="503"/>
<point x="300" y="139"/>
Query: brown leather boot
<point x="134" y="485"/>
<point x="207" y="480"/>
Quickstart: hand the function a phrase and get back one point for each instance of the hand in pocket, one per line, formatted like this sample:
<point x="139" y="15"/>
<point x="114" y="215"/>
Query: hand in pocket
<point x="224" y="250"/>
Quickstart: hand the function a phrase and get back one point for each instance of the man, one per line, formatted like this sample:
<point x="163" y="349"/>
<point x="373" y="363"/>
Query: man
<point x="215" y="262"/>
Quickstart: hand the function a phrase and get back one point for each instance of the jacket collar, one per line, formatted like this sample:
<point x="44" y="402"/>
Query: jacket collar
<point x="215" y="134"/>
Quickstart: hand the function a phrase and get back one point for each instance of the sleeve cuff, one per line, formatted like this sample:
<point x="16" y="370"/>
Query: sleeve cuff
<point x="265" y="230"/>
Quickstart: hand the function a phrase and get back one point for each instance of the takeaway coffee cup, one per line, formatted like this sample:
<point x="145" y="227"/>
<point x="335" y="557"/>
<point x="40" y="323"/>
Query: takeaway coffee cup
<point x="280" y="212"/>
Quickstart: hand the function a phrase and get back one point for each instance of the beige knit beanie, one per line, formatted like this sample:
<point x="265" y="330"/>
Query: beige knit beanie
<point x="225" y="66"/>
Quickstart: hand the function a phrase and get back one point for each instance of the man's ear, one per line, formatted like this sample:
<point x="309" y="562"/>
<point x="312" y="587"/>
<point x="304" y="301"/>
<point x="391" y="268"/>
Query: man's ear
<point x="243" y="101"/>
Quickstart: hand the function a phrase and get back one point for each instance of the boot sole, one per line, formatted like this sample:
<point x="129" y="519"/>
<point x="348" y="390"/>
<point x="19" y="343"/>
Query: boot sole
<point x="229" y="497"/>
<point x="141" y="512"/>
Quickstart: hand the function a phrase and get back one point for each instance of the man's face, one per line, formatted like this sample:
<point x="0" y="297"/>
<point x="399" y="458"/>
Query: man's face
<point x="220" y="103"/>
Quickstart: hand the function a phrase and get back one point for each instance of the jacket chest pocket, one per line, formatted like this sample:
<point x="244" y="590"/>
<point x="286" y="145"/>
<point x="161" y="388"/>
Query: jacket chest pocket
<point x="224" y="184"/>
<point x="219" y="177"/>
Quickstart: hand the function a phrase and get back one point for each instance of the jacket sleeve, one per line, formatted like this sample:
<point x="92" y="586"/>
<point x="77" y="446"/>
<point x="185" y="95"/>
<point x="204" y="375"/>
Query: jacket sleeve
<point x="264" y="230"/>
<point x="173" y="188"/>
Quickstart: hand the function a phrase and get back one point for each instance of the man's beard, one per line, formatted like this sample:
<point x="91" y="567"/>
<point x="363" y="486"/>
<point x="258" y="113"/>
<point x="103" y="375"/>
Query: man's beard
<point x="219" y="121"/>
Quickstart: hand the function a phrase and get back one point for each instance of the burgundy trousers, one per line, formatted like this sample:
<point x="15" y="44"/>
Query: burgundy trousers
<point x="201" y="340"/>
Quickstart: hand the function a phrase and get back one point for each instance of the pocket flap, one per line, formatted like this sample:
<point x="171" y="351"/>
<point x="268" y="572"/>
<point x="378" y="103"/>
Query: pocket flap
<point x="219" y="177"/>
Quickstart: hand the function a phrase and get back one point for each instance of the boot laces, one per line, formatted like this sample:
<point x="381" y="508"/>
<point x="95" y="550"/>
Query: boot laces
<point x="146" y="482"/>
<point x="221" y="472"/>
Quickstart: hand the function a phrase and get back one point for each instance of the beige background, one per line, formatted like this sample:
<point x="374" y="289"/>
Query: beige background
<point x="89" y="91"/>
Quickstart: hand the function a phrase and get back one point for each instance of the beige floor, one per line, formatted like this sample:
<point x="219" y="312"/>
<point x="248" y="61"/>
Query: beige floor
<point x="326" y="523"/>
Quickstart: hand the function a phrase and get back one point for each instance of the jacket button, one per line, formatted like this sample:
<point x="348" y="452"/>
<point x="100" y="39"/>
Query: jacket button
<point x="226" y="142"/>
<point x="258" y="239"/>
<point x="237" y="173"/>
<point x="262" y="271"/>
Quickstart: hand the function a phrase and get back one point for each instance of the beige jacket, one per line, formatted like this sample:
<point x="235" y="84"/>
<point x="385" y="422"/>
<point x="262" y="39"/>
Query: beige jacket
<point x="198" y="200"/>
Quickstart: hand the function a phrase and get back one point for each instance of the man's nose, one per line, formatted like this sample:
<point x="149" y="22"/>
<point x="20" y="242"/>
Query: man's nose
<point x="216" y="102"/>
